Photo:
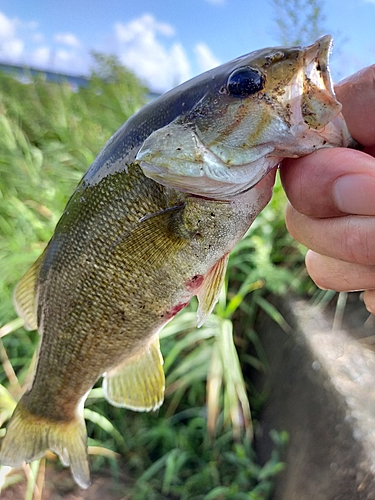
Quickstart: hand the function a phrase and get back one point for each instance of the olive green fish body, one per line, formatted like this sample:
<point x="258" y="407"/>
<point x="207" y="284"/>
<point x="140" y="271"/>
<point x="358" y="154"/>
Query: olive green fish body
<point x="117" y="269"/>
<point x="150" y="225"/>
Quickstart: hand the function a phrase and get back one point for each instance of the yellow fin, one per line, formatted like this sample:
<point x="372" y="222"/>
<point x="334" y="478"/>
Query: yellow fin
<point x="25" y="294"/>
<point x="209" y="293"/>
<point x="28" y="437"/>
<point x="139" y="383"/>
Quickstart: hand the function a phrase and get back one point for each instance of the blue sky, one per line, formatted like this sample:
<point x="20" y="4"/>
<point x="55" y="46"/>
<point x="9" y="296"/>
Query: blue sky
<point x="167" y="41"/>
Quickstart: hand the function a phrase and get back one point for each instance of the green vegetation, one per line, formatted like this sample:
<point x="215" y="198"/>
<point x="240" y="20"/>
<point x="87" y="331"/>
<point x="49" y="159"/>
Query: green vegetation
<point x="299" y="22"/>
<point x="197" y="446"/>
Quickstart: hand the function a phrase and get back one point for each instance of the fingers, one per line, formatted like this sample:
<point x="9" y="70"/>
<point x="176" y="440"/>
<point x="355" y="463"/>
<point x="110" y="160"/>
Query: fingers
<point x="357" y="96"/>
<point x="325" y="186"/>
<point x="331" y="182"/>
<point x="332" y="196"/>
<point x="369" y="298"/>
<point x="348" y="238"/>
<point x="335" y="274"/>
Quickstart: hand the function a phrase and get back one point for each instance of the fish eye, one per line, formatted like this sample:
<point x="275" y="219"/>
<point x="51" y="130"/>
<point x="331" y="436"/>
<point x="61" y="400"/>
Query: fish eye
<point x="244" y="82"/>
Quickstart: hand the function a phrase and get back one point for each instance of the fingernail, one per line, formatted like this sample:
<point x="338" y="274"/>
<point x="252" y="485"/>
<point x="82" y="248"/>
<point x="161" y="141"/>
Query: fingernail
<point x="355" y="194"/>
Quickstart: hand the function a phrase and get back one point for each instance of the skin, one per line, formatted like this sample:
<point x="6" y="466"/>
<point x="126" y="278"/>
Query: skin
<point x="332" y="198"/>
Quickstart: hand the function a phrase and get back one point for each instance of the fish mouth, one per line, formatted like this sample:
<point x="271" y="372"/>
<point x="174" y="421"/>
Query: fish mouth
<point x="310" y="95"/>
<point x="320" y="108"/>
<point x="316" y="63"/>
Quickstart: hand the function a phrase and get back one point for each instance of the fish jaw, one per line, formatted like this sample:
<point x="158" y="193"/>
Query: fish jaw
<point x="226" y="144"/>
<point x="315" y="113"/>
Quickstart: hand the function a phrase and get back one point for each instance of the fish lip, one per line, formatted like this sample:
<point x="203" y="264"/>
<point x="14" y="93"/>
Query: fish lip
<point x="317" y="58"/>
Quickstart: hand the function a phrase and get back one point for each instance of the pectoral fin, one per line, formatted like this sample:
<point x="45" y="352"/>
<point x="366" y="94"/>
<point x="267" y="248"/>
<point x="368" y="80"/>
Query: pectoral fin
<point x="209" y="292"/>
<point x="153" y="241"/>
<point x="138" y="384"/>
<point x="25" y="296"/>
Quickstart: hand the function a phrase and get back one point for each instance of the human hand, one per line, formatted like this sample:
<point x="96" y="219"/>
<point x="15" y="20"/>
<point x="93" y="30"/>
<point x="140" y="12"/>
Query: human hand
<point x="332" y="198"/>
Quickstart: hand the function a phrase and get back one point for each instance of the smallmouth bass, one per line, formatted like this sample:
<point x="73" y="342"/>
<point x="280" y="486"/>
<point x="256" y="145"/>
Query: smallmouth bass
<point x="150" y="225"/>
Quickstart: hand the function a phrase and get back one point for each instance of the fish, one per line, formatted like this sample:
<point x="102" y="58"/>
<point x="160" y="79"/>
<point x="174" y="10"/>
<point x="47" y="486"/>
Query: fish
<point x="150" y="225"/>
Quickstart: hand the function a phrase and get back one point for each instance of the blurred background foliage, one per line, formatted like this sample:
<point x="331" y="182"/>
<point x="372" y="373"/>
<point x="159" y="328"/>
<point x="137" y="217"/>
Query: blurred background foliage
<point x="198" y="446"/>
<point x="299" y="21"/>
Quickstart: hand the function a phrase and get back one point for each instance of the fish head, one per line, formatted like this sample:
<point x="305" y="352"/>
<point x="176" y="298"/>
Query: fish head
<point x="256" y="110"/>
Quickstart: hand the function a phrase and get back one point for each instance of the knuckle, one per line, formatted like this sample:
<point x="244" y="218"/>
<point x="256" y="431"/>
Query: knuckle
<point x="357" y="242"/>
<point x="317" y="269"/>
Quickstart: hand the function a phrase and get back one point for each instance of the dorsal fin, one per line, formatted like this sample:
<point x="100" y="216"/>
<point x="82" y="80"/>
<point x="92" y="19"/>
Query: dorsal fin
<point x="24" y="297"/>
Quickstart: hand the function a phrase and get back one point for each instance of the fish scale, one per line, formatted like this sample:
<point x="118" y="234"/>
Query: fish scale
<point x="152" y="224"/>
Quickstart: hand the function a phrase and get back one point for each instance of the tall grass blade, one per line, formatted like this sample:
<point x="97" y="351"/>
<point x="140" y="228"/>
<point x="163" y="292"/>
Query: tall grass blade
<point x="105" y="424"/>
<point x="339" y="311"/>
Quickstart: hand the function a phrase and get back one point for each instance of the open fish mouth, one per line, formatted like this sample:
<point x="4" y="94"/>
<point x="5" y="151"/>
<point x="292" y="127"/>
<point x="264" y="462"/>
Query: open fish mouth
<point x="316" y="65"/>
<point x="310" y="94"/>
<point x="319" y="106"/>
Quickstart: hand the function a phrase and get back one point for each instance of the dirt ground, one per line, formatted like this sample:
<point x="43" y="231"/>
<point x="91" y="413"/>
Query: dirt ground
<point x="59" y="485"/>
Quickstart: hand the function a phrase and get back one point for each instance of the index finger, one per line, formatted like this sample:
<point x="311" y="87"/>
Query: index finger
<point x="313" y="184"/>
<point x="357" y="96"/>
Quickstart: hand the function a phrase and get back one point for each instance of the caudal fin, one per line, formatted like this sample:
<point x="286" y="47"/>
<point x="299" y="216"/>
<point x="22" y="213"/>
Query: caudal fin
<point x="28" y="437"/>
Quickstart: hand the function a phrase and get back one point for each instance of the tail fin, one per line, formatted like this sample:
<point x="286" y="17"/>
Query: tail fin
<point x="28" y="437"/>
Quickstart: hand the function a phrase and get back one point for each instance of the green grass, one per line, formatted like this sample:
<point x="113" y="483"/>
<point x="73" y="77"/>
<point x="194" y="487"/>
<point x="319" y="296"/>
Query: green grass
<point x="198" y="445"/>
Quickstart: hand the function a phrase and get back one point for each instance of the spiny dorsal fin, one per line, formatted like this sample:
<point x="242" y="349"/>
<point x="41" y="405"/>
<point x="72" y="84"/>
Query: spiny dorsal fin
<point x="25" y="294"/>
<point x="209" y="293"/>
<point x="139" y="383"/>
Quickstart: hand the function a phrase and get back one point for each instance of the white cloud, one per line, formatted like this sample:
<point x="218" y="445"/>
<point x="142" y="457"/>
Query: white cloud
<point x="68" y="61"/>
<point x="21" y="42"/>
<point x="63" y="56"/>
<point x="11" y="49"/>
<point x="41" y="57"/>
<point x="144" y="25"/>
<point x="11" y="46"/>
<point x="7" y="27"/>
<point x="205" y="57"/>
<point x="68" y="39"/>
<point x="146" y="45"/>
<point x="216" y="2"/>
<point x="140" y="48"/>
<point x="180" y="62"/>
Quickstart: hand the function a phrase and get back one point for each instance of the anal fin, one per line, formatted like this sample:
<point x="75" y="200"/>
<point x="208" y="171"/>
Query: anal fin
<point x="137" y="384"/>
<point x="24" y="297"/>
<point x="209" y="292"/>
